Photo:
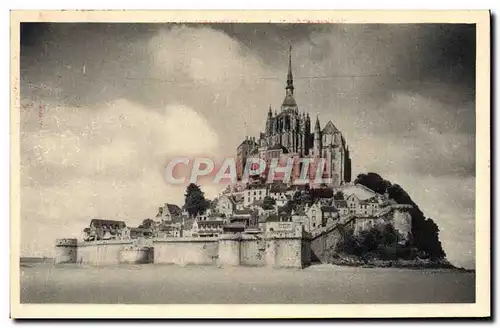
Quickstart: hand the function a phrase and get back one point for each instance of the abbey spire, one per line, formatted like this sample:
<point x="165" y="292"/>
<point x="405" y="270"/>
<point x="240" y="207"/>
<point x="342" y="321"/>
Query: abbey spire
<point x="289" y="100"/>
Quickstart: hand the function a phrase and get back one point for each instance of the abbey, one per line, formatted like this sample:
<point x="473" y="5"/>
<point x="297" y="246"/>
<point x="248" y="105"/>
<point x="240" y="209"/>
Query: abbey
<point x="288" y="133"/>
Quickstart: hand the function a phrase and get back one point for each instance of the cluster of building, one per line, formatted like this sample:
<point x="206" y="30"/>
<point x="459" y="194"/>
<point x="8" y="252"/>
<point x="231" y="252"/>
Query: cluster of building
<point x="255" y="206"/>
<point x="264" y="208"/>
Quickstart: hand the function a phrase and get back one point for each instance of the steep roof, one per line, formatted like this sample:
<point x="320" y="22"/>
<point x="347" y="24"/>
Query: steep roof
<point x="238" y="198"/>
<point x="248" y="142"/>
<point x="330" y="128"/>
<point x="173" y="209"/>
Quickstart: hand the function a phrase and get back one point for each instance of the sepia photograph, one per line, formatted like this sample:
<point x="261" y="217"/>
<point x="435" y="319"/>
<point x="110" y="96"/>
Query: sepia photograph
<point x="298" y="160"/>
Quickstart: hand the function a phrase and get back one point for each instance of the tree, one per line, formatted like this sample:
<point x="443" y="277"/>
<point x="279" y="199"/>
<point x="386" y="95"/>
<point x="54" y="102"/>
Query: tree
<point x="194" y="200"/>
<point x="268" y="203"/>
<point x="349" y="243"/>
<point x="373" y="181"/>
<point x="339" y="195"/>
<point x="146" y="224"/>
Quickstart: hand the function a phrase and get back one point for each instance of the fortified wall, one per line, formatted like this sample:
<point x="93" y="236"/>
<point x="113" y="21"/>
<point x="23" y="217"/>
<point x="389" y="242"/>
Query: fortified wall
<point x="290" y="249"/>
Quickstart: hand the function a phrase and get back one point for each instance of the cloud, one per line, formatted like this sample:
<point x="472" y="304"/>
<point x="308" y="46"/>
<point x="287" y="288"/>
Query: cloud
<point x="107" y="166"/>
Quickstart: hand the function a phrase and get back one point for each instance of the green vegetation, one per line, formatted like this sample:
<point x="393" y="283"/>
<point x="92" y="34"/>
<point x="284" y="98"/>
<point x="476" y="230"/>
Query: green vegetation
<point x="425" y="232"/>
<point x="268" y="203"/>
<point x="339" y="195"/>
<point x="380" y="242"/>
<point x="194" y="200"/>
<point x="146" y="224"/>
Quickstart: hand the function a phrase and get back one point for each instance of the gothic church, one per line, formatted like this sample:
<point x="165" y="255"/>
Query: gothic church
<point x="289" y="133"/>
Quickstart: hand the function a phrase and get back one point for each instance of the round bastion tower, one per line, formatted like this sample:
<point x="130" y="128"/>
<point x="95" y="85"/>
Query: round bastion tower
<point x="66" y="250"/>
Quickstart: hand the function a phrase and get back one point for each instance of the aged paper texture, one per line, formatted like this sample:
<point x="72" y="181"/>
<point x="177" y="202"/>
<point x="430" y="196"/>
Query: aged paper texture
<point x="260" y="164"/>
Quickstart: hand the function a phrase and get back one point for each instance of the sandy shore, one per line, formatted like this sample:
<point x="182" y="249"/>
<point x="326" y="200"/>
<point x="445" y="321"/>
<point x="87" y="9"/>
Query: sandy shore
<point x="163" y="284"/>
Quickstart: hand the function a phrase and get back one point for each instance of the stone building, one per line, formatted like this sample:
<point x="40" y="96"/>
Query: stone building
<point x="167" y="212"/>
<point x="226" y="204"/>
<point x="104" y="230"/>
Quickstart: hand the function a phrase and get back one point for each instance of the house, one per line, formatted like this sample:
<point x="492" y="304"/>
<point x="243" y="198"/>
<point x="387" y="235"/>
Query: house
<point x="168" y="230"/>
<point x="239" y="199"/>
<point x="281" y="194"/>
<point x="315" y="216"/>
<point x="342" y="207"/>
<point x="204" y="216"/>
<point x="363" y="201"/>
<point x="299" y="216"/>
<point x="105" y="230"/>
<point x="207" y="228"/>
<point x="167" y="212"/>
<point x="226" y="204"/>
<point x="136" y="233"/>
<point x="235" y="227"/>
<point x="330" y="214"/>
<point x="362" y="207"/>
<point x="247" y="217"/>
<point x="254" y="193"/>
<point x="278" y="226"/>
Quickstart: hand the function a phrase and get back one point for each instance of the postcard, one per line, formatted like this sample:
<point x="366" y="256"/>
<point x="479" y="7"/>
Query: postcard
<point x="251" y="164"/>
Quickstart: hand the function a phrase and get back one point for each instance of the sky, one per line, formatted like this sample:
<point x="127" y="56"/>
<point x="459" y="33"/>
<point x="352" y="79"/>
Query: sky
<point x="103" y="107"/>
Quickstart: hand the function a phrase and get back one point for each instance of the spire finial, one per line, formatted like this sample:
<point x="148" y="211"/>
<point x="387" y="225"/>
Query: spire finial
<point x="289" y="79"/>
